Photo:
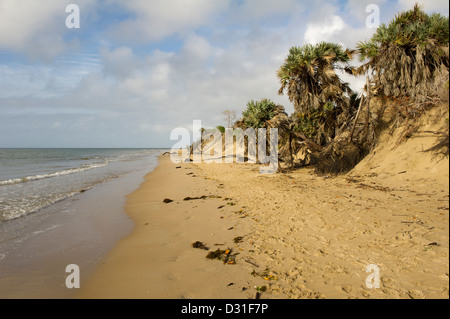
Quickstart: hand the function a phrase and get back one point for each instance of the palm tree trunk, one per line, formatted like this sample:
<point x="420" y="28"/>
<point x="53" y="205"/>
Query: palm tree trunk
<point x="290" y="150"/>
<point x="356" y="119"/>
<point x="314" y="146"/>
<point x="366" y="125"/>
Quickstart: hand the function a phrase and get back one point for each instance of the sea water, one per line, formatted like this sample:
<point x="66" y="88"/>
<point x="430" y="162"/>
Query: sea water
<point x="33" y="179"/>
<point x="60" y="207"/>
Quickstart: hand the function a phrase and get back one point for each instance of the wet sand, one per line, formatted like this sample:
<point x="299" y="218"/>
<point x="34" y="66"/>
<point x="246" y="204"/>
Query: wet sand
<point x="80" y="230"/>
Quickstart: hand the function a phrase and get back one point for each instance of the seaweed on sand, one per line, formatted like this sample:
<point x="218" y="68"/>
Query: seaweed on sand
<point x="201" y="197"/>
<point x="199" y="245"/>
<point x="223" y="255"/>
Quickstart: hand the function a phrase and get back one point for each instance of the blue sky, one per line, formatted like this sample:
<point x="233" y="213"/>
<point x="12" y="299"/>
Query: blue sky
<point x="137" y="69"/>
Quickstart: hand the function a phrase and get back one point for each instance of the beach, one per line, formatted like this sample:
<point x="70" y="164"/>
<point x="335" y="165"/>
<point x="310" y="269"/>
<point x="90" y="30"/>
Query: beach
<point x="314" y="139"/>
<point x="291" y="235"/>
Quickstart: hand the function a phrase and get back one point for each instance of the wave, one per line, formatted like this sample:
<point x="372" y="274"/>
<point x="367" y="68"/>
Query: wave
<point x="14" y="210"/>
<point x="37" y="232"/>
<point x="54" y="174"/>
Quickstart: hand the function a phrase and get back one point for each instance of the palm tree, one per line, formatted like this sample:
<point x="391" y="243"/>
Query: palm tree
<point x="310" y="80"/>
<point x="405" y="56"/>
<point x="267" y="114"/>
<point x="321" y="100"/>
<point x="258" y="113"/>
<point x="291" y="140"/>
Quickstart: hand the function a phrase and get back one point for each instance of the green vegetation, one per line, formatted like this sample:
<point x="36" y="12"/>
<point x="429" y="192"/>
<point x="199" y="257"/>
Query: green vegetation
<point x="406" y="62"/>
<point x="309" y="76"/>
<point x="221" y="129"/>
<point x="258" y="113"/>
<point x="406" y="55"/>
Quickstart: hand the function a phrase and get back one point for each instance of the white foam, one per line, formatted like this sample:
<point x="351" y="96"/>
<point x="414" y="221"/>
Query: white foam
<point x="55" y="174"/>
<point x="37" y="232"/>
<point x="16" y="211"/>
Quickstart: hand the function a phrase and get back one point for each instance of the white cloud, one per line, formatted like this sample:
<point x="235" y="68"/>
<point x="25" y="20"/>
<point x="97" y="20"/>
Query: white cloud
<point x="324" y="30"/>
<point x="121" y="62"/>
<point x="24" y="25"/>
<point x="327" y="25"/>
<point x="157" y="19"/>
<point x="20" y="20"/>
<point x="248" y="11"/>
<point x="36" y="28"/>
<point x="197" y="48"/>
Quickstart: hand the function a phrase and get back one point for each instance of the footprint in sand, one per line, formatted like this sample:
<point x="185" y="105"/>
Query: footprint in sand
<point x="187" y="296"/>
<point x="416" y="294"/>
<point x="174" y="276"/>
<point x="347" y="289"/>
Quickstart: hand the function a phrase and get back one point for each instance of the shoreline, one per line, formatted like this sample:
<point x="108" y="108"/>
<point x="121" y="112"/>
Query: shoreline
<point x="77" y="230"/>
<point x="300" y="235"/>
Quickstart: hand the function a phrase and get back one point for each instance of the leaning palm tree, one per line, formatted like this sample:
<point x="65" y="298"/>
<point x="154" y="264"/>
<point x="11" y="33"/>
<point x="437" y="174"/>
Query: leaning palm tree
<point x="406" y="56"/>
<point x="409" y="62"/>
<point x="309" y="76"/>
<point x="291" y="139"/>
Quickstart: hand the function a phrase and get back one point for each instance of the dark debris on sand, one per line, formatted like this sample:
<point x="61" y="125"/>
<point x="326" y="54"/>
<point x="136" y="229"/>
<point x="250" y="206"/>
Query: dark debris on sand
<point x="199" y="245"/>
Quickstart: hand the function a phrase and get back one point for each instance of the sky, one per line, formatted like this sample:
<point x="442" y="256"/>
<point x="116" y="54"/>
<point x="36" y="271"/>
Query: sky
<point x="135" y="70"/>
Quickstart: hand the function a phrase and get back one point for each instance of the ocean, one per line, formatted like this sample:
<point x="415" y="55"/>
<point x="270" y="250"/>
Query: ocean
<point x="33" y="179"/>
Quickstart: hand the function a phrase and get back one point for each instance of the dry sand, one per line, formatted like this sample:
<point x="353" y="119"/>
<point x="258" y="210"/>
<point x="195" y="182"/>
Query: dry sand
<point x="303" y="236"/>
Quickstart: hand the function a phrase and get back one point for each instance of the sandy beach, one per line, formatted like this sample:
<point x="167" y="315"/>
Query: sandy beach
<point x="195" y="152"/>
<point x="296" y="234"/>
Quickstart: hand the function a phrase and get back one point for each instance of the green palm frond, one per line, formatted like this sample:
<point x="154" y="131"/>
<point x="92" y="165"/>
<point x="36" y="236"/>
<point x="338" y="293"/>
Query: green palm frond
<point x="405" y="54"/>
<point x="258" y="113"/>
<point x="309" y="77"/>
